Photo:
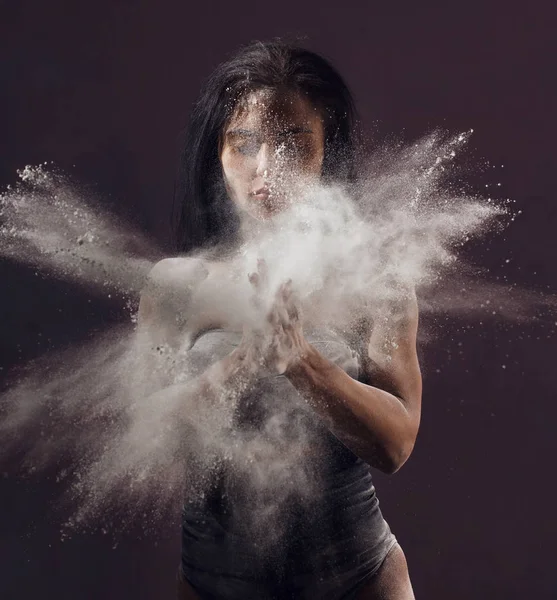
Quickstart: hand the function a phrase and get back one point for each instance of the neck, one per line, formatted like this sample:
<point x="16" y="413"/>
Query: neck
<point x="253" y="228"/>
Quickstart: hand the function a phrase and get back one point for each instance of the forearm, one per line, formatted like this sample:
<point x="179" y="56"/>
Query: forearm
<point x="208" y="399"/>
<point x="229" y="376"/>
<point x="373" y="423"/>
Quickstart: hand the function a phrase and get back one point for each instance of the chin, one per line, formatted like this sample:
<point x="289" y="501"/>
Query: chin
<point x="262" y="214"/>
<point x="262" y="211"/>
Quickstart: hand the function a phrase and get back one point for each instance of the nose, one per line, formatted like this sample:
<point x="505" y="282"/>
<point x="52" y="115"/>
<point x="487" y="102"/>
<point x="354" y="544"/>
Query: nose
<point x="264" y="160"/>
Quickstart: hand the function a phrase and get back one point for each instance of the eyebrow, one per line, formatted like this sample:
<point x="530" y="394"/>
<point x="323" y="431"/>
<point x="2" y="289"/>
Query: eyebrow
<point x="250" y="133"/>
<point x="240" y="132"/>
<point x="296" y="130"/>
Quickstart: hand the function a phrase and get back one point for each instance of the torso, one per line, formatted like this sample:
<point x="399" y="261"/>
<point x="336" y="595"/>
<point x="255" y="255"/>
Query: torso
<point x="281" y="482"/>
<point x="280" y="491"/>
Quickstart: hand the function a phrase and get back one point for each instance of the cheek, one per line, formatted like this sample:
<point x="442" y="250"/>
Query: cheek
<point x="315" y="167"/>
<point x="312" y="165"/>
<point x="311" y="155"/>
<point x="236" y="171"/>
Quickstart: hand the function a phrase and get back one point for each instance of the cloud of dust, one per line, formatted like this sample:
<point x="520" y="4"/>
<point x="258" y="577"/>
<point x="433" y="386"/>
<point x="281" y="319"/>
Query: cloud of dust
<point x="119" y="416"/>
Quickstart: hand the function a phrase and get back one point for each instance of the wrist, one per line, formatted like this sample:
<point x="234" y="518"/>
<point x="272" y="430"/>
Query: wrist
<point x="238" y="364"/>
<point x="304" y="364"/>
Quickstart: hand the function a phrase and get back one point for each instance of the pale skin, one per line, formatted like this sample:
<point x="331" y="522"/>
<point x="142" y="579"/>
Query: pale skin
<point x="274" y="142"/>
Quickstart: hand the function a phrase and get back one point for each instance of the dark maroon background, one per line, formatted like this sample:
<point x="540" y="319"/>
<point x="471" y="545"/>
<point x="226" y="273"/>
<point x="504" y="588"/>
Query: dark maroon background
<point x="107" y="85"/>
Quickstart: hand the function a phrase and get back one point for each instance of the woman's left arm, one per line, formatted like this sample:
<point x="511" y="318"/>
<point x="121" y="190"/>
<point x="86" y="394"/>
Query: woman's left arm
<point x="379" y="424"/>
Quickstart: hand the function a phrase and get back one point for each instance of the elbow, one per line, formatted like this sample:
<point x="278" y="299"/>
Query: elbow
<point x="397" y="459"/>
<point x="402" y="445"/>
<point x="396" y="455"/>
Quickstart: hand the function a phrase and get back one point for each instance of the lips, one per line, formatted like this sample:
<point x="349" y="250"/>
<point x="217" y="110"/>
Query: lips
<point x="261" y="194"/>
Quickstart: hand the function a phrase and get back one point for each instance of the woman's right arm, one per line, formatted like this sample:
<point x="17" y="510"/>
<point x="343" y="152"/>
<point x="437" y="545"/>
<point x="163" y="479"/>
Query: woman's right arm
<point x="159" y="325"/>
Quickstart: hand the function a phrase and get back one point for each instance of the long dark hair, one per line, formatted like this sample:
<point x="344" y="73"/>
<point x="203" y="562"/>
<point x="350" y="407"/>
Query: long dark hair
<point x="203" y="214"/>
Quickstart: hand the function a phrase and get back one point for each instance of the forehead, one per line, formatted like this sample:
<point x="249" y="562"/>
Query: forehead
<point x="271" y="109"/>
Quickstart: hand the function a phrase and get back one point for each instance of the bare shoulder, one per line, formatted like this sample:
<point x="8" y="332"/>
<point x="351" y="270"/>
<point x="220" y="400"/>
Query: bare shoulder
<point x="396" y="319"/>
<point x="391" y="360"/>
<point x="170" y="274"/>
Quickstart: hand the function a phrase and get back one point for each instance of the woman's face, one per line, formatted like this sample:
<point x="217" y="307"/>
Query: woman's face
<point x="272" y="147"/>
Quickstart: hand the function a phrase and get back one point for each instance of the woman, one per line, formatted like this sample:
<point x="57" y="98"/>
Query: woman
<point x="271" y="120"/>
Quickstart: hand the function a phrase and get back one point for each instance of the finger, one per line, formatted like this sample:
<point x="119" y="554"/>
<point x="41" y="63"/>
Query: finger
<point x="291" y="303"/>
<point x="282" y="293"/>
<point x="293" y="310"/>
<point x="294" y="307"/>
<point x="255" y="300"/>
<point x="286" y="292"/>
<point x="259" y="341"/>
<point x="262" y="272"/>
<point x="282" y="315"/>
<point x="281" y="297"/>
<point x="276" y="321"/>
<point x="273" y="318"/>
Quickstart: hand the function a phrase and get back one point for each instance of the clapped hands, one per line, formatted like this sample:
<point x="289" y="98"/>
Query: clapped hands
<point x="278" y="342"/>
